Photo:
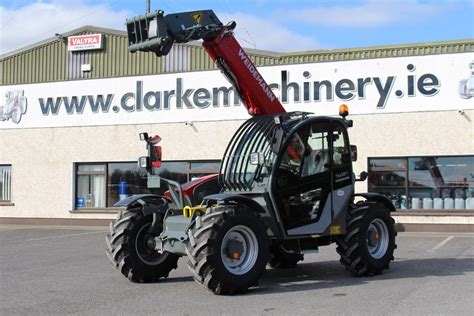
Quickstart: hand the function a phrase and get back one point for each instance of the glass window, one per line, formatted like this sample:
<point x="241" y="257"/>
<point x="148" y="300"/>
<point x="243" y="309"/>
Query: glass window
<point x="391" y="184"/>
<point x="214" y="165"/>
<point x="124" y="179"/>
<point x="317" y="153"/>
<point x="177" y="171"/>
<point x="341" y="155"/>
<point x="424" y="182"/>
<point x="201" y="169"/>
<point x="387" y="164"/>
<point x="441" y="182"/>
<point x="91" y="186"/>
<point x="291" y="160"/>
<point x="5" y="182"/>
<point x="104" y="184"/>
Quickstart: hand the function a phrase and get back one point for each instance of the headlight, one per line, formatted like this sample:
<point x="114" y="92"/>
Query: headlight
<point x="143" y="136"/>
<point x="153" y="28"/>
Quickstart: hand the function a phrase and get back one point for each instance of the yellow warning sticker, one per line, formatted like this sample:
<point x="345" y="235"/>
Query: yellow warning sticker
<point x="335" y="230"/>
<point x="197" y="17"/>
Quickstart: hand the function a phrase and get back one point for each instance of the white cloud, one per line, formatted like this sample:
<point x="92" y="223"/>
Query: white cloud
<point x="260" y="33"/>
<point x="370" y="14"/>
<point x="34" y="22"/>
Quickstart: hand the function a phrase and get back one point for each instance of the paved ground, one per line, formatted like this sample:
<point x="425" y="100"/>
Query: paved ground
<point x="52" y="270"/>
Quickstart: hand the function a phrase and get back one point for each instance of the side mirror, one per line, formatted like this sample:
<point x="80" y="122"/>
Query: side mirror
<point x="363" y="176"/>
<point x="353" y="152"/>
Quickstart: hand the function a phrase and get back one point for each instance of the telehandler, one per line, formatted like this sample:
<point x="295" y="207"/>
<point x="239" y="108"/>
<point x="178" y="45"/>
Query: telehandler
<point x="286" y="184"/>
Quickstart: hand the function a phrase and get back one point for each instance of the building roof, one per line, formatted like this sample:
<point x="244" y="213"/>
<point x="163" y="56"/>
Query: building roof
<point x="96" y="29"/>
<point x="49" y="60"/>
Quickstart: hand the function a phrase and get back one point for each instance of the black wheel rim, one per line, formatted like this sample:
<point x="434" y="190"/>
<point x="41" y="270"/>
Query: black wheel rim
<point x="145" y="247"/>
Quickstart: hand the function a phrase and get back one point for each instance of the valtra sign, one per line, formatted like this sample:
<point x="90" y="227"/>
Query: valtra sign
<point x="85" y="42"/>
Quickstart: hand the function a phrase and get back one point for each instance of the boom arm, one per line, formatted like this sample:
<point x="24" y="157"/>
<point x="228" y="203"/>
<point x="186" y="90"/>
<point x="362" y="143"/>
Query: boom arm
<point x="157" y="33"/>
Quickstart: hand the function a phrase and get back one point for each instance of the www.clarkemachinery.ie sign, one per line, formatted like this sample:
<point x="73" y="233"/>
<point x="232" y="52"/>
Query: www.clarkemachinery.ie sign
<point x="389" y="85"/>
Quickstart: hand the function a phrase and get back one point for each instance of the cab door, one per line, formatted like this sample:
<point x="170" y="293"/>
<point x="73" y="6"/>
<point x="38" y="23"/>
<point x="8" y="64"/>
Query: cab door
<point x="303" y="178"/>
<point x="342" y="175"/>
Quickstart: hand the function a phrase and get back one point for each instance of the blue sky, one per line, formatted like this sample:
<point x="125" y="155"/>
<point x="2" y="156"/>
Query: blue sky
<point x="277" y="25"/>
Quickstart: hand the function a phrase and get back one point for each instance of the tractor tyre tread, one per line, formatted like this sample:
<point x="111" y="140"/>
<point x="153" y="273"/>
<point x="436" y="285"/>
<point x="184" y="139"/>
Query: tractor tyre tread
<point x="122" y="253"/>
<point x="204" y="257"/>
<point x="352" y="247"/>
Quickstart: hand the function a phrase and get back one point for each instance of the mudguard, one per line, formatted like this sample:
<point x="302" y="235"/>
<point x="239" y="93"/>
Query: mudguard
<point x="150" y="203"/>
<point x="377" y="198"/>
<point x="228" y="198"/>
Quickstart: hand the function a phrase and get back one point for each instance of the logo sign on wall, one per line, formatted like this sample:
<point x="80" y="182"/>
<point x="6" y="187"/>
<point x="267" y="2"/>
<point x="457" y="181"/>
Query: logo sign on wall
<point x="466" y="86"/>
<point x="372" y="86"/>
<point x="84" y="42"/>
<point x="14" y="107"/>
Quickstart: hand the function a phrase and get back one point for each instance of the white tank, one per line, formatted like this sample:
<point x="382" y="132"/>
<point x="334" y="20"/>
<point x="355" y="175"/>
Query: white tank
<point x="470" y="203"/>
<point x="427" y="203"/>
<point x="448" y="204"/>
<point x="438" y="203"/>
<point x="415" y="203"/>
<point x="459" y="204"/>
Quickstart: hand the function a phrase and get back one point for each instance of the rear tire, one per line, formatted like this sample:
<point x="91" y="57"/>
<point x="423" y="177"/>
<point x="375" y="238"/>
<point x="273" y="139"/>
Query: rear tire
<point x="228" y="249"/>
<point x="130" y="249"/>
<point x="367" y="248"/>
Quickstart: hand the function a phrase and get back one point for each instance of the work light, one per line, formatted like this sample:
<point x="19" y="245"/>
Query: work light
<point x="143" y="162"/>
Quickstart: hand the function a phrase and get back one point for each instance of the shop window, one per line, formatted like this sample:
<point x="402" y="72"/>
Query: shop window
<point x="101" y="185"/>
<point x="91" y="190"/>
<point x="441" y="182"/>
<point x="5" y="183"/>
<point x="388" y="177"/>
<point x="124" y="179"/>
<point x="424" y="182"/>
<point x="201" y="169"/>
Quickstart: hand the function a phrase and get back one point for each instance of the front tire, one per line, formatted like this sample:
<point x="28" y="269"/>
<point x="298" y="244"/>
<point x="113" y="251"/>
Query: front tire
<point x="130" y="249"/>
<point x="367" y="248"/>
<point x="228" y="249"/>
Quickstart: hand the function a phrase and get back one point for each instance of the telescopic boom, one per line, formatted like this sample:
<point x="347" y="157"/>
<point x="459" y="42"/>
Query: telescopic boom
<point x="156" y="32"/>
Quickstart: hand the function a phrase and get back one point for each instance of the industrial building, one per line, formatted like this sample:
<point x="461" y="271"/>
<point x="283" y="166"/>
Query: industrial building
<point x="72" y="107"/>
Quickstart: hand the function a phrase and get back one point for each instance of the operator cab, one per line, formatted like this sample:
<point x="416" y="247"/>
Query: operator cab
<point x="300" y="165"/>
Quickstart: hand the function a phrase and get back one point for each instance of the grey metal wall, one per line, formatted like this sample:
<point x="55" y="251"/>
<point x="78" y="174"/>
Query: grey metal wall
<point x="52" y="62"/>
<point x="74" y="62"/>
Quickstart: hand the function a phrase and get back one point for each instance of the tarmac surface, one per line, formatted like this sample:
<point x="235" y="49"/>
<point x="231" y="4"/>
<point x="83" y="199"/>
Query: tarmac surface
<point x="64" y="270"/>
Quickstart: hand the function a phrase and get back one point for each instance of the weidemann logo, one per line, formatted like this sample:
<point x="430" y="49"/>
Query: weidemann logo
<point x="201" y="98"/>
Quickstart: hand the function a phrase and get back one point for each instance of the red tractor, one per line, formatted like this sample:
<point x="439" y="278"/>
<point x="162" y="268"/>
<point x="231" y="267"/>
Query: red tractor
<point x="286" y="185"/>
